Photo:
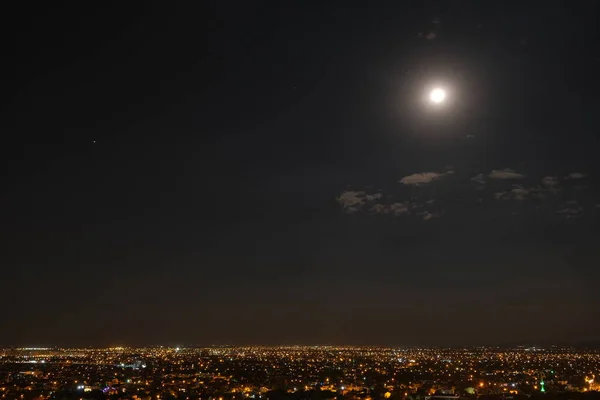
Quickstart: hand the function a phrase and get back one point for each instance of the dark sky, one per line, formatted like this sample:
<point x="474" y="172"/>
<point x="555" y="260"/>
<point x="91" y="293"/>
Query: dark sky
<point x="253" y="172"/>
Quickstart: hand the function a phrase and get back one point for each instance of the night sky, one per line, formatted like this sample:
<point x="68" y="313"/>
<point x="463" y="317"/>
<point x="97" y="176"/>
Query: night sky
<point x="249" y="172"/>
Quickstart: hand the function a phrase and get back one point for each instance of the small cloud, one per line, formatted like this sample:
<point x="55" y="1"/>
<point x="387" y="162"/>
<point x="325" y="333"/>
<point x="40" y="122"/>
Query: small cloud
<point x="519" y="193"/>
<point x="576" y="175"/>
<point x="380" y="209"/>
<point x="428" y="216"/>
<point x="538" y="195"/>
<point x="427" y="35"/>
<point x="479" y="179"/>
<point x="394" y="208"/>
<point x="571" y="209"/>
<point x="424" y="177"/>
<point x="398" y="208"/>
<point x="571" y="212"/>
<point x="373" y="197"/>
<point x="469" y="136"/>
<point x="550" y="181"/>
<point x="505" y="174"/>
<point x="351" y="200"/>
<point x="420" y="178"/>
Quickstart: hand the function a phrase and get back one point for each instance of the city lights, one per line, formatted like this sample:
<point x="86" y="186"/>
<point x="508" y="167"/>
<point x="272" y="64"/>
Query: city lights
<point x="240" y="373"/>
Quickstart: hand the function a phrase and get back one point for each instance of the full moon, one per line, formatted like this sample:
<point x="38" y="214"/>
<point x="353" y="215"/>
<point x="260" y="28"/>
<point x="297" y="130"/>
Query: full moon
<point x="437" y="95"/>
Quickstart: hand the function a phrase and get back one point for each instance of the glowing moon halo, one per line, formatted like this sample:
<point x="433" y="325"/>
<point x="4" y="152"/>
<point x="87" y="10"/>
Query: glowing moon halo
<point x="437" y="95"/>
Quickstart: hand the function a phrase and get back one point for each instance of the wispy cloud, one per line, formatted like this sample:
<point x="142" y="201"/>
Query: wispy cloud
<point x="398" y="208"/>
<point x="353" y="200"/>
<point x="374" y="196"/>
<point x="479" y="179"/>
<point x="420" y="178"/>
<point x="394" y="208"/>
<point x="550" y="181"/>
<point x="427" y="35"/>
<point x="427" y="215"/>
<point x="520" y="193"/>
<point x="510" y="186"/>
<point x="505" y="174"/>
<point x="424" y="177"/>
<point x="380" y="209"/>
<point x="571" y="209"/>
<point x="576" y="175"/>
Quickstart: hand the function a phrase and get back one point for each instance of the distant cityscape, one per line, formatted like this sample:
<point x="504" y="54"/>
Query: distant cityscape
<point x="298" y="372"/>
